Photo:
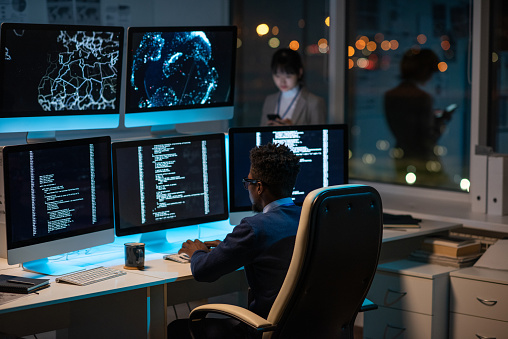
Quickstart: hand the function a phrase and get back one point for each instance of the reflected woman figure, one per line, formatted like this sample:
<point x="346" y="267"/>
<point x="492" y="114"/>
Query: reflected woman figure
<point x="413" y="121"/>
<point x="293" y="104"/>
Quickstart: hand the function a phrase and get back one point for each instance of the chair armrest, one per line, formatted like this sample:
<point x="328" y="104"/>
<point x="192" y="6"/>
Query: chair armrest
<point x="245" y="316"/>
<point x="368" y="306"/>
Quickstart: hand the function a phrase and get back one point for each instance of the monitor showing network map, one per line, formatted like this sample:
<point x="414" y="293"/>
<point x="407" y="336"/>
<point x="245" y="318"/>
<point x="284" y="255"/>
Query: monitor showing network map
<point x="179" y="74"/>
<point x="59" y="77"/>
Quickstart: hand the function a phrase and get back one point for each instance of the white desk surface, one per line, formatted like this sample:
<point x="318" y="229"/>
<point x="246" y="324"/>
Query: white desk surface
<point x="60" y="292"/>
<point x="426" y="227"/>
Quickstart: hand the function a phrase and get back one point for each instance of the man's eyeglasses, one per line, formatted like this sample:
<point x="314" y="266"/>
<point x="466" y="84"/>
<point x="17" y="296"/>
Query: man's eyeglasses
<point x="246" y="182"/>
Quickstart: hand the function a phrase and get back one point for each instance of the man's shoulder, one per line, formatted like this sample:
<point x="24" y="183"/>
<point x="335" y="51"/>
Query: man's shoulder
<point x="274" y="214"/>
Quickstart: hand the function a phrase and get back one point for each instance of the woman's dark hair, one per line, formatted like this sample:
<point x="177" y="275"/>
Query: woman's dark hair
<point x="276" y="166"/>
<point x="418" y="65"/>
<point x="287" y="60"/>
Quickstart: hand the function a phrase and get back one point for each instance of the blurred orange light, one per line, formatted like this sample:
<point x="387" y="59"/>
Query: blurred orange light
<point x="350" y="51"/>
<point x="385" y="45"/>
<point x="323" y="43"/>
<point x="351" y="63"/>
<point x="371" y="46"/>
<point x="294" y="45"/>
<point x="364" y="38"/>
<point x="442" y="66"/>
<point x="262" y="29"/>
<point x="360" y="44"/>
<point x="327" y="21"/>
<point x="422" y="38"/>
<point x="445" y="45"/>
<point x="394" y="44"/>
<point x="275" y="30"/>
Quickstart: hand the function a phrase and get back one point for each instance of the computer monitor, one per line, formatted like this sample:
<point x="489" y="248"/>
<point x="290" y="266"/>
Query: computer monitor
<point x="179" y="74"/>
<point x="59" y="77"/>
<point x="170" y="182"/>
<point x="323" y="148"/>
<point x="58" y="199"/>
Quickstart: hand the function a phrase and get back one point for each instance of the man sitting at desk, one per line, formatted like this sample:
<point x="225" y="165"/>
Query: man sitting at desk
<point x="262" y="244"/>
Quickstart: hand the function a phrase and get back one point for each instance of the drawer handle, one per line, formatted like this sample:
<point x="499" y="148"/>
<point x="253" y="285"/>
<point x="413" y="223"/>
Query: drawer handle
<point x="393" y="300"/>
<point x="484" y="337"/>
<point x="399" y="330"/>
<point x="487" y="302"/>
<point x="396" y="327"/>
<point x="393" y="291"/>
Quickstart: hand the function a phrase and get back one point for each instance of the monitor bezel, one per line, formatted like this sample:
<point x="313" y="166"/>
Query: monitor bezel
<point x="165" y="225"/>
<point x="37" y="121"/>
<point x="34" y="249"/>
<point x="245" y="130"/>
<point x="167" y="115"/>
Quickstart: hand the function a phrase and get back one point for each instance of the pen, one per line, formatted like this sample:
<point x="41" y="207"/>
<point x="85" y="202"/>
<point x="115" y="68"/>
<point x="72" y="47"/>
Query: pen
<point x="21" y="282"/>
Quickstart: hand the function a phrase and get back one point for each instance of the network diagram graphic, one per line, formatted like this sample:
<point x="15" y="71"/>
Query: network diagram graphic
<point x="83" y="76"/>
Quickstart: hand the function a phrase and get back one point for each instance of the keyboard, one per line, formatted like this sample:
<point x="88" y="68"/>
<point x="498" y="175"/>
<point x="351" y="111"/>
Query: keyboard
<point x="181" y="258"/>
<point x="90" y="276"/>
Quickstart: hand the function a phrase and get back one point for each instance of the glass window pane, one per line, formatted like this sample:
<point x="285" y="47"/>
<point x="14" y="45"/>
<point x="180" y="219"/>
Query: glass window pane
<point x="408" y="86"/>
<point x="301" y="23"/>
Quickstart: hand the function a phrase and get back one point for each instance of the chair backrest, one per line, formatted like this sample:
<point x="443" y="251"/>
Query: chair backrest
<point x="334" y="261"/>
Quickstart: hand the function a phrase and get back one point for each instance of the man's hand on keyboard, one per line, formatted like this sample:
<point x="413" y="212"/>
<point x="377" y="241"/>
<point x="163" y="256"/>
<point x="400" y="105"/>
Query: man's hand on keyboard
<point x="212" y="244"/>
<point x="189" y="247"/>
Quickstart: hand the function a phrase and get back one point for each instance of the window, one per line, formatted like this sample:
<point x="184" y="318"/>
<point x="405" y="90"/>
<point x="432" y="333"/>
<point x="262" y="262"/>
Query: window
<point x="264" y="26"/>
<point x="400" y="130"/>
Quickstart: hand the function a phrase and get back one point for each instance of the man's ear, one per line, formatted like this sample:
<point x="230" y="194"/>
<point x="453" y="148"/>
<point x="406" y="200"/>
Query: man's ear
<point x="260" y="188"/>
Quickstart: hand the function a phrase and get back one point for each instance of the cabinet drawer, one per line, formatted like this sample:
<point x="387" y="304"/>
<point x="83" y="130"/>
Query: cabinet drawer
<point x="465" y="326"/>
<point x="388" y="323"/>
<point x="402" y="292"/>
<point x="465" y="295"/>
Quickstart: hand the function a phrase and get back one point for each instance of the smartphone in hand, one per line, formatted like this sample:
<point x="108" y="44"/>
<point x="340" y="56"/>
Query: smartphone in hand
<point x="272" y="116"/>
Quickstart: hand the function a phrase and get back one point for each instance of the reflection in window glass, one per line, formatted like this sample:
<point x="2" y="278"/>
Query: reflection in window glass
<point x="265" y="26"/>
<point x="408" y="92"/>
<point x="498" y="113"/>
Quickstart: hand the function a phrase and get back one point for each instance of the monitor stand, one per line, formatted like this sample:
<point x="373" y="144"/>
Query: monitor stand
<point x="157" y="242"/>
<point x="47" y="267"/>
<point x="36" y="137"/>
<point x="163" y="131"/>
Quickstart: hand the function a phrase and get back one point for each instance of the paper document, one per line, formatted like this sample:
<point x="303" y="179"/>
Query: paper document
<point x="495" y="256"/>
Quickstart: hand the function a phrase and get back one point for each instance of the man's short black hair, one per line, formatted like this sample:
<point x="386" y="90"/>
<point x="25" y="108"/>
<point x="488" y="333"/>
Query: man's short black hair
<point x="277" y="167"/>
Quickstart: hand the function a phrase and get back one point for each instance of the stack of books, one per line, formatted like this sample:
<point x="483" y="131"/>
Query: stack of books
<point x="448" y="251"/>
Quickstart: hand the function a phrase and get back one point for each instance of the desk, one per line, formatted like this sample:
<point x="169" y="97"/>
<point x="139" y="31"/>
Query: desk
<point x="120" y="307"/>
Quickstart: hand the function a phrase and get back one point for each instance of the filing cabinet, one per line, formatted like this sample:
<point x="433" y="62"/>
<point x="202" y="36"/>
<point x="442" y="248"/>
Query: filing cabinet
<point x="413" y="301"/>
<point x="478" y="303"/>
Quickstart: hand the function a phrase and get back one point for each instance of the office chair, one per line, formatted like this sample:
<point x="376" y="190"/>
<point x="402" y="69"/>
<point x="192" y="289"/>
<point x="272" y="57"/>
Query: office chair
<point x="334" y="260"/>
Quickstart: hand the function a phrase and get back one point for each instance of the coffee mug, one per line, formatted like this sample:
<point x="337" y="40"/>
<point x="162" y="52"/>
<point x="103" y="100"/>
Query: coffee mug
<point x="134" y="256"/>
